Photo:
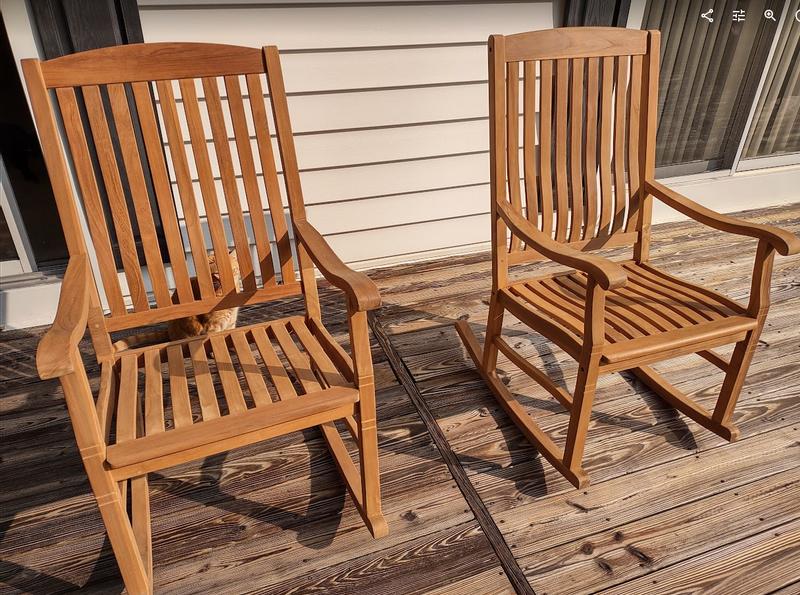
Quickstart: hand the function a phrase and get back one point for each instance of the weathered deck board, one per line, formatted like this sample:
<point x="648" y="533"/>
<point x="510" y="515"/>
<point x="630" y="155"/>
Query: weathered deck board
<point x="638" y="448"/>
<point x="655" y="542"/>
<point x="670" y="502"/>
<point x="760" y="564"/>
<point x="253" y="519"/>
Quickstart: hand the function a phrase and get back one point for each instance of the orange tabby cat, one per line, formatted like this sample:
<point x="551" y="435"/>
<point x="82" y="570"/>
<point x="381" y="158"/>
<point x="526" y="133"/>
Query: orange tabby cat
<point x="193" y="326"/>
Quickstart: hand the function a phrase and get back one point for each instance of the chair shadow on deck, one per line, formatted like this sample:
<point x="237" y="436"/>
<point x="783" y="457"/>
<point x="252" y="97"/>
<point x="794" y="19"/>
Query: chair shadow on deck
<point x="318" y="527"/>
<point x="668" y="423"/>
<point x="325" y="504"/>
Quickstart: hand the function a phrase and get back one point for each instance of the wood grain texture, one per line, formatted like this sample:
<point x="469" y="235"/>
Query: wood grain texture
<point x="146" y="420"/>
<point x="575" y="42"/>
<point x="151" y="61"/>
<point x="600" y="316"/>
<point x="436" y="362"/>
<point x="487" y="524"/>
<point x="279" y="520"/>
<point x="254" y="530"/>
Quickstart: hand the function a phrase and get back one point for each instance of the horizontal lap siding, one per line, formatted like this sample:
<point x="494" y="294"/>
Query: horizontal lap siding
<point x="392" y="137"/>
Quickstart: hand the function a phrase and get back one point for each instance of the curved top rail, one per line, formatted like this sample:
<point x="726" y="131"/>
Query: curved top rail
<point x="575" y="42"/>
<point x="151" y="62"/>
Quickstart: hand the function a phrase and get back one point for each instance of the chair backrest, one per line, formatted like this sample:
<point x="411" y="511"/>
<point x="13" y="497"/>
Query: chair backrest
<point x="193" y="155"/>
<point x="576" y="171"/>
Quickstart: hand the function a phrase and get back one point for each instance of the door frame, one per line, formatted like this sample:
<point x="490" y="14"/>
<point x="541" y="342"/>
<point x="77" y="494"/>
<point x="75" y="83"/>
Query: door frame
<point x="25" y="262"/>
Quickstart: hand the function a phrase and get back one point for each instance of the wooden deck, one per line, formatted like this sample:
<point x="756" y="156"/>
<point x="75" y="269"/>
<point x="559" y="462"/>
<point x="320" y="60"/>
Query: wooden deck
<point x="671" y="508"/>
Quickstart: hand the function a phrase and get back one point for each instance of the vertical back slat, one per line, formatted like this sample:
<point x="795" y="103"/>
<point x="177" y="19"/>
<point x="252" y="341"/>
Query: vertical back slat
<point x="634" y="113"/>
<point x="139" y="194"/>
<point x="620" y="116"/>
<point x="529" y="142"/>
<point x="590" y="147"/>
<point x="251" y="191"/>
<point x="267" y="156"/>
<point x="116" y="197"/>
<point x="545" y="144"/>
<point x="185" y="191"/>
<point x="95" y="216"/>
<point x="197" y="138"/>
<point x="562" y="143"/>
<point x="575" y="157"/>
<point x="158" y="172"/>
<point x="222" y="148"/>
<point x="128" y="400"/>
<point x="512" y="141"/>
<point x="606" y="124"/>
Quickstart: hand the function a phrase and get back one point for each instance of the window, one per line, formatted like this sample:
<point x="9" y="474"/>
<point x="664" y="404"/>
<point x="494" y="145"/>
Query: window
<point x="775" y="129"/>
<point x="710" y="71"/>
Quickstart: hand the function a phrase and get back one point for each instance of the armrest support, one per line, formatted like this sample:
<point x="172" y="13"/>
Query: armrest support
<point x="54" y="354"/>
<point x="360" y="289"/>
<point x="607" y="273"/>
<point x="784" y="242"/>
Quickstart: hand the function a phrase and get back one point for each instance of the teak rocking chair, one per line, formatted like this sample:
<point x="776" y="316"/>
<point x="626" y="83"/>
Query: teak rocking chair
<point x="597" y="101"/>
<point x="182" y="400"/>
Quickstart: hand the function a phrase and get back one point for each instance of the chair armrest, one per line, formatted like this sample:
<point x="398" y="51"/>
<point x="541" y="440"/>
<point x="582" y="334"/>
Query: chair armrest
<point x="360" y="289"/>
<point x="53" y="356"/>
<point x="784" y="242"/>
<point x="607" y="273"/>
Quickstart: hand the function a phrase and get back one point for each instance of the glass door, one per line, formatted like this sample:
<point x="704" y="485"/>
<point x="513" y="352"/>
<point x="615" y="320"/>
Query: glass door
<point x="713" y="53"/>
<point x="15" y="250"/>
<point x="773" y="138"/>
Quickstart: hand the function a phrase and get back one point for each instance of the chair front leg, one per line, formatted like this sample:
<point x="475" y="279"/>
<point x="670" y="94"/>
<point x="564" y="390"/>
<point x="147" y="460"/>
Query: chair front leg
<point x="744" y="350"/>
<point x="494" y="328"/>
<point x="583" y="398"/>
<point x="136" y="573"/>
<point x="367" y="423"/>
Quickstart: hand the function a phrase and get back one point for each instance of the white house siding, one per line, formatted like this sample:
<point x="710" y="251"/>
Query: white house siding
<point x="389" y="105"/>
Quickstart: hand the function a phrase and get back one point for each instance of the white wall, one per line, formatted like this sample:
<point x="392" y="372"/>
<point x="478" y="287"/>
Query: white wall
<point x="389" y="104"/>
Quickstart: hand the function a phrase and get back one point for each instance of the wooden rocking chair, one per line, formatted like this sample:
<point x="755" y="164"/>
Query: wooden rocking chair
<point x="182" y="400"/>
<point x="598" y="100"/>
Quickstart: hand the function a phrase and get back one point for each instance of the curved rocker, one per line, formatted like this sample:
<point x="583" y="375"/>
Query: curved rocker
<point x="588" y="182"/>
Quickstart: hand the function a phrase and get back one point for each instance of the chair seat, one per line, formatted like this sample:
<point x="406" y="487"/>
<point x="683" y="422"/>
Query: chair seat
<point x="160" y="400"/>
<point x="655" y="313"/>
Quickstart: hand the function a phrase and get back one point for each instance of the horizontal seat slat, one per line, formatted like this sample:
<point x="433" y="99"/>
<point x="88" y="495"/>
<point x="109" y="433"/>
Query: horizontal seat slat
<point x="676" y="339"/>
<point x="654" y="314"/>
<point x="229" y="426"/>
<point x="187" y="361"/>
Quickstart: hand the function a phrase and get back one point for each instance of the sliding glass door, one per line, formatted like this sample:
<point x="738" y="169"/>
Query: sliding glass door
<point x="774" y="135"/>
<point x="713" y="54"/>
